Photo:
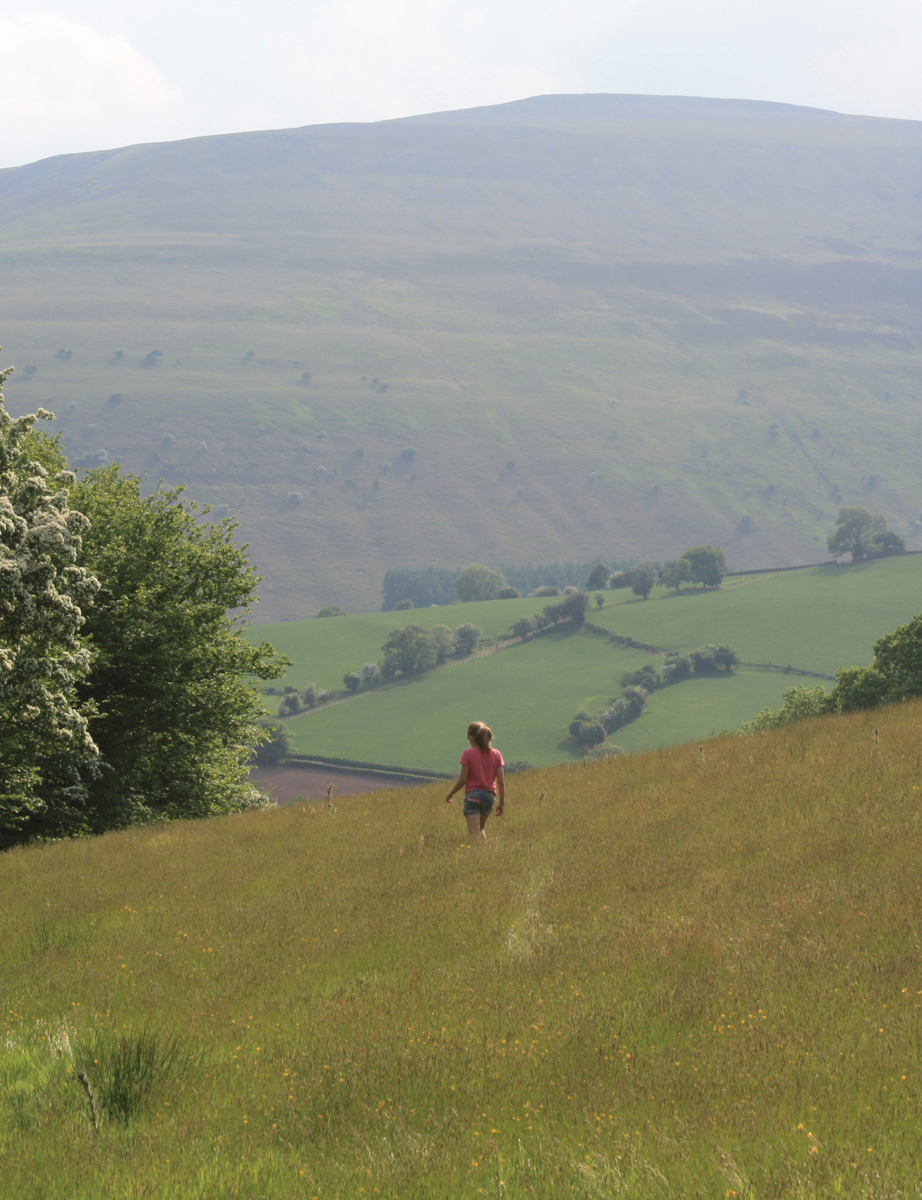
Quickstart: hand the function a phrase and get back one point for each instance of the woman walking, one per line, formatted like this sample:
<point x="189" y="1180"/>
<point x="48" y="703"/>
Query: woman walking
<point x="482" y="779"/>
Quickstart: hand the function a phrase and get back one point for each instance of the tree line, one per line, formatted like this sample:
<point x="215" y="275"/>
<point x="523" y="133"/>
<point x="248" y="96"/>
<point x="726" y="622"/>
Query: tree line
<point x="587" y="731"/>
<point x="126" y="688"/>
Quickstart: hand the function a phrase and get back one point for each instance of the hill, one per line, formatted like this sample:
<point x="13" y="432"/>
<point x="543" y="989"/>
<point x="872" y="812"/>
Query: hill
<point x="815" y="620"/>
<point x="650" y="322"/>
<point x="680" y="973"/>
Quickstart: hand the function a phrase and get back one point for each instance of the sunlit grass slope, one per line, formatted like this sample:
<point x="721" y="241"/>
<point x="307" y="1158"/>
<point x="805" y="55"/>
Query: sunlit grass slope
<point x="685" y="973"/>
<point x="818" y="619"/>
<point x="528" y="695"/>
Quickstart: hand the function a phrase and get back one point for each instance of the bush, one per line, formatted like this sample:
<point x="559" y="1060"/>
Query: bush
<point x="352" y="680"/>
<point x="678" y="669"/>
<point x="799" y="702"/>
<point x="589" y="733"/>
<point x="546" y="591"/>
<point x="370" y="673"/>
<point x="524" y="627"/>
<point x="646" y="677"/>
<point x="276" y="748"/>
<point x="508" y="593"/>
<point x="332" y="610"/>
<point x="467" y="638"/>
<point x="403" y="605"/>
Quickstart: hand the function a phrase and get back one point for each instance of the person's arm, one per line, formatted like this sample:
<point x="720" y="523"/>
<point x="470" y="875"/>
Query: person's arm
<point x="459" y="783"/>
<point x="500" y="791"/>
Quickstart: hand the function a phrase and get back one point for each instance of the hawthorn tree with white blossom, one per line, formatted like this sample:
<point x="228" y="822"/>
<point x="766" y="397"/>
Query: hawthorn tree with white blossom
<point x="47" y="754"/>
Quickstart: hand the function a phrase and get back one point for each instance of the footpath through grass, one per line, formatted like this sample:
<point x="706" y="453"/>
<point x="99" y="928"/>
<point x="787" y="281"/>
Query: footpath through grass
<point x="685" y="973"/>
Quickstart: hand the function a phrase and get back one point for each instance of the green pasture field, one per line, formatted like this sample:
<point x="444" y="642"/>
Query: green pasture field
<point x="682" y="973"/>
<point x="817" y="619"/>
<point x="528" y="695"/>
<point x="323" y="649"/>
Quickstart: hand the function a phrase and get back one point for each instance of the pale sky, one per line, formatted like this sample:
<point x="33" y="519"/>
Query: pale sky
<point x="94" y="74"/>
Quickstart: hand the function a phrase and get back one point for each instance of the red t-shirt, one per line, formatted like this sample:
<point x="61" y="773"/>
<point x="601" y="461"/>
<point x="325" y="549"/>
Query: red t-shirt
<point x="482" y="766"/>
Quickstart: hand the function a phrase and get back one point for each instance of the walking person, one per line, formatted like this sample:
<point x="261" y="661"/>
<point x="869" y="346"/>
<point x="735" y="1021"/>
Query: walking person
<point x="482" y="779"/>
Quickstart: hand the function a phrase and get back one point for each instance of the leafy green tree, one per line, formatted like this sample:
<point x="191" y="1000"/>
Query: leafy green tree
<point x="524" y="627"/>
<point x="799" y="703"/>
<point x="47" y="750"/>
<point x="172" y="675"/>
<point x="599" y="600"/>
<point x="598" y="577"/>
<point x="403" y="605"/>
<point x="855" y="533"/>
<point x="635" y="698"/>
<point x="725" y="658"/>
<point x="332" y="610"/>
<point x="862" y="534"/>
<point x="467" y="638"/>
<point x="478" y="582"/>
<point x="371" y="674"/>
<point x="408" y="651"/>
<point x="276" y="747"/>
<point x="708" y="565"/>
<point x="352" y="680"/>
<point x="646" y="677"/>
<point x="673" y="574"/>
<point x="444" y="641"/>
<point x="643" y="579"/>
<point x="677" y="669"/>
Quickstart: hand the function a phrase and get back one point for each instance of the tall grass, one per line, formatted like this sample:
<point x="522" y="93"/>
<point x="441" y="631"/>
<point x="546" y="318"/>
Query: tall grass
<point x="684" y="973"/>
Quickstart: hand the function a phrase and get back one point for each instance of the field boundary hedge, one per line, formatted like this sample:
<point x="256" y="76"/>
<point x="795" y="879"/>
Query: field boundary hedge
<point x="356" y="766"/>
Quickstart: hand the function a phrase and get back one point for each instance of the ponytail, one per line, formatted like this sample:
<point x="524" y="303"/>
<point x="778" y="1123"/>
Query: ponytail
<point x="482" y="734"/>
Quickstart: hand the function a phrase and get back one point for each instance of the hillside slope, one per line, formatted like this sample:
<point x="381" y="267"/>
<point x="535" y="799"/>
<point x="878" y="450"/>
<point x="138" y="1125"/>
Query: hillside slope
<point x="529" y="332"/>
<point x="679" y="974"/>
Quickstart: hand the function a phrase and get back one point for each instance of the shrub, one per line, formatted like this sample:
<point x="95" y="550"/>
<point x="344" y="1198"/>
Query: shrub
<point x="332" y="610"/>
<point x="799" y="702"/>
<point x="352" y="680"/>
<point x="546" y="591"/>
<point x="508" y="593"/>
<point x="403" y="605"/>
<point x="277" y="747"/>
<point x="524" y="627"/>
<point x="467" y="638"/>
<point x="678" y="669"/>
<point x="370" y="673"/>
<point x="646" y="677"/>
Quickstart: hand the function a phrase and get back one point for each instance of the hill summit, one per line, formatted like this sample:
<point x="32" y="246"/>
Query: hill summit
<point x="548" y="329"/>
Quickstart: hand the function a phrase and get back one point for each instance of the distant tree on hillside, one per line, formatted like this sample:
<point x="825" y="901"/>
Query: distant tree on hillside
<point x="423" y="585"/>
<point x="444" y="641"/>
<point x="598" y="577"/>
<point x="277" y="747"/>
<point x="673" y="574"/>
<point x="643" y="579"/>
<point x="708" y="565"/>
<point x="467" y="638"/>
<point x="408" y="651"/>
<point x="862" y="534"/>
<point x="478" y="582"/>
<point x="524" y="627"/>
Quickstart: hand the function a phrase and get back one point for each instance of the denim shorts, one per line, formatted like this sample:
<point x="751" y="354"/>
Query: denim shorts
<point x="478" y="802"/>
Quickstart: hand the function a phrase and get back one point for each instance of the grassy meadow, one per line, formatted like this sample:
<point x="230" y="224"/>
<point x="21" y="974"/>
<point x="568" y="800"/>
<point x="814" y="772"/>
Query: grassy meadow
<point x="693" y="972"/>
<point x="816" y="619"/>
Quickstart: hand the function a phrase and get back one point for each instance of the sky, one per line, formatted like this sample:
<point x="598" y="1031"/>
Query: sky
<point x="79" y="75"/>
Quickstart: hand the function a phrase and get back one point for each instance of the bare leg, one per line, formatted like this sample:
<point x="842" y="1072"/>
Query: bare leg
<point x="475" y="831"/>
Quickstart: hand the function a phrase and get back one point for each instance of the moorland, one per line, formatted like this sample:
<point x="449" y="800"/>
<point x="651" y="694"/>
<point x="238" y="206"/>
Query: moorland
<point x="685" y="972"/>
<point x="648" y="322"/>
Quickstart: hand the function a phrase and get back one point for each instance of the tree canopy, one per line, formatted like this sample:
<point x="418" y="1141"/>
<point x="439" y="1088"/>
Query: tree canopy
<point x="862" y="534"/>
<point x="479" y="582"/>
<point x="47" y="752"/>
<point x="126" y="688"/>
<point x="707" y="565"/>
